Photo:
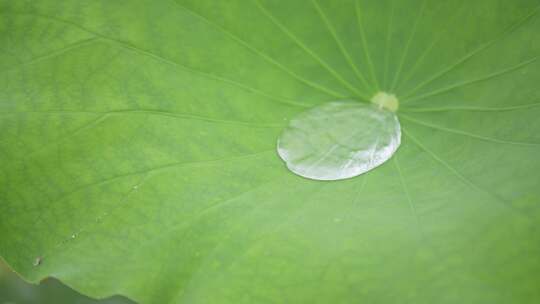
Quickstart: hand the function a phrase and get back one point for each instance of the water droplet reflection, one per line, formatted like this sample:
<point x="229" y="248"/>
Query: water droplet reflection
<point x="339" y="140"/>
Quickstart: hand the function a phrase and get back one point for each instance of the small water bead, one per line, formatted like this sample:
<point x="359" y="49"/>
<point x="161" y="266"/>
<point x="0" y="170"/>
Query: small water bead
<point x="341" y="139"/>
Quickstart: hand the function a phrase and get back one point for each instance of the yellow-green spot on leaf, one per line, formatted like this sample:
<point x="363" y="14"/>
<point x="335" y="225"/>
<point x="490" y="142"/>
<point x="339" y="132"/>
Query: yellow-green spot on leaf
<point x="386" y="100"/>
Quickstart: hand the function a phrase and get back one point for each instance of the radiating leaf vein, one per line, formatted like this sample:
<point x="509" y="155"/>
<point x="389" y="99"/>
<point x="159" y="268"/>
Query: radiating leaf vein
<point x="306" y="49"/>
<point x="465" y="133"/>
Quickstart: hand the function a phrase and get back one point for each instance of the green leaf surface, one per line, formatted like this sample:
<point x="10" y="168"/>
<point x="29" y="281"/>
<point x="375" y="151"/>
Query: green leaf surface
<point x="137" y="154"/>
<point x="13" y="290"/>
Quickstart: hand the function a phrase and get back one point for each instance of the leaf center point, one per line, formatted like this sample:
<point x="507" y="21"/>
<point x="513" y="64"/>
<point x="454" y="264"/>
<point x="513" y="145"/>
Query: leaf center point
<point x="386" y="100"/>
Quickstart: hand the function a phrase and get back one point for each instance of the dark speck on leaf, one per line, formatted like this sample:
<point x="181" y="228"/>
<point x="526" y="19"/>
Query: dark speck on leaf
<point x="38" y="261"/>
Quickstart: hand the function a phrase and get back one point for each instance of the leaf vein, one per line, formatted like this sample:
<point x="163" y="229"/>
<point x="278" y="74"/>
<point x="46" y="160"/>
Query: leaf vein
<point x="340" y="45"/>
<point x="476" y="51"/>
<point x="152" y="112"/>
<point x="408" y="45"/>
<point x="129" y="46"/>
<point x="306" y="49"/>
<point x="261" y="54"/>
<point x="465" y="133"/>
<point x="365" y="46"/>
<point x="464" y="179"/>
<point x="473" y="81"/>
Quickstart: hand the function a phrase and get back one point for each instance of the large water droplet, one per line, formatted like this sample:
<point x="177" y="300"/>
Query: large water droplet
<point x="339" y="140"/>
